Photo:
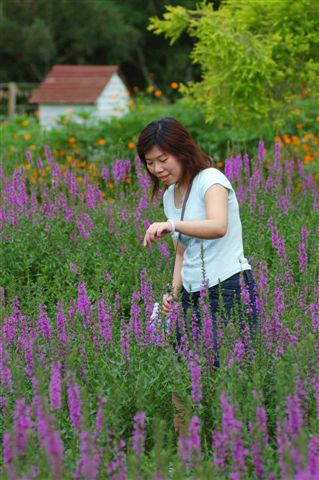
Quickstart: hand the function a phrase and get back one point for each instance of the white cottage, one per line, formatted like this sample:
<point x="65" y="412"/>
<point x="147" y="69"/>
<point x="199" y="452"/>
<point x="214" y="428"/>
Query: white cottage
<point x="68" y="89"/>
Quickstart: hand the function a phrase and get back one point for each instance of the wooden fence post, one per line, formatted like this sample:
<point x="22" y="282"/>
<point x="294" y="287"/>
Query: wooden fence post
<point x="12" y="99"/>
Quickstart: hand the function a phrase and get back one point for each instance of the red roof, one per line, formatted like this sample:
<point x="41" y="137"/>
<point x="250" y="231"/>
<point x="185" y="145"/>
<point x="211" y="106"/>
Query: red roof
<point x="74" y="84"/>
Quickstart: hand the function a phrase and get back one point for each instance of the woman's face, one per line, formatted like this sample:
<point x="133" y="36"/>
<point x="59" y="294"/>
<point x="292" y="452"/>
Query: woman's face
<point x="164" y="166"/>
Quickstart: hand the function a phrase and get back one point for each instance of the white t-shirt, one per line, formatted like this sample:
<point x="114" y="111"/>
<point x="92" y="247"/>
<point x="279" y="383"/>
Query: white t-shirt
<point x="223" y="257"/>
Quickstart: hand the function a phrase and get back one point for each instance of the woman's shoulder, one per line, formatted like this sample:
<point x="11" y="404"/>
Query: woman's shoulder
<point x="210" y="175"/>
<point x="210" y="171"/>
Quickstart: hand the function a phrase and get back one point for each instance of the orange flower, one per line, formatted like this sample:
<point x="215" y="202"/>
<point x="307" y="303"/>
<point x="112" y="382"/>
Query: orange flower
<point x="277" y="139"/>
<point x="287" y="139"/>
<point x="69" y="160"/>
<point x="131" y="145"/>
<point x="296" y="149"/>
<point x="101" y="141"/>
<point x="174" y="85"/>
<point x="297" y="111"/>
<point x="307" y="158"/>
<point x="72" y="140"/>
<point x="110" y="185"/>
<point x="317" y="118"/>
<point x="308" y="136"/>
<point x="299" y="125"/>
<point x="27" y="136"/>
<point x="127" y="180"/>
<point x="295" y="139"/>
<point x="220" y="164"/>
<point x="158" y="93"/>
<point x="136" y="88"/>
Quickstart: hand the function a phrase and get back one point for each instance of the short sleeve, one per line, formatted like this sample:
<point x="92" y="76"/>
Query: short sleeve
<point x="209" y="177"/>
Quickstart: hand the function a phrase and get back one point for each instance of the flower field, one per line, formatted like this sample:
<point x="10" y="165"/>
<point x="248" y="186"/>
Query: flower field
<point x="87" y="379"/>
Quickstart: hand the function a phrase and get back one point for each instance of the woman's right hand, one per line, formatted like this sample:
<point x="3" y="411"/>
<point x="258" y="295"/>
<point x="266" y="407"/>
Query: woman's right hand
<point x="167" y="303"/>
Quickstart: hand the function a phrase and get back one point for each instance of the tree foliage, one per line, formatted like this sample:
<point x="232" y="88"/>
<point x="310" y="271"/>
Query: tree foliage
<point x="36" y="34"/>
<point x="256" y="57"/>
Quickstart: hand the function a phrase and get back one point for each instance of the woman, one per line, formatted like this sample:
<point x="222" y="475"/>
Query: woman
<point x="211" y="229"/>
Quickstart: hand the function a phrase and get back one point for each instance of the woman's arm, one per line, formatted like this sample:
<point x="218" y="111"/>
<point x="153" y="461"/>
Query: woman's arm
<point x="177" y="277"/>
<point x="216" y="205"/>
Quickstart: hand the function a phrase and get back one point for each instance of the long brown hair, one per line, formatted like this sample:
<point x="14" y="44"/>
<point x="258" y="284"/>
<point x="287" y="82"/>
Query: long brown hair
<point x="172" y="137"/>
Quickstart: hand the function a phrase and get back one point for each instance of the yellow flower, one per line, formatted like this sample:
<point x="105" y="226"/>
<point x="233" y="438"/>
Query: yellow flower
<point x="32" y="147"/>
<point x="131" y="145"/>
<point x="25" y="123"/>
<point x="69" y="112"/>
<point x="15" y="135"/>
<point x="131" y="101"/>
<point x="72" y="140"/>
<point x="101" y="141"/>
<point x="28" y="167"/>
<point x="27" y="136"/>
<point x="277" y="139"/>
<point x="297" y="111"/>
<point x="110" y="185"/>
<point x="317" y="118"/>
<point x="69" y="160"/>
<point x="150" y="89"/>
<point x="158" y="93"/>
<point x="174" y="85"/>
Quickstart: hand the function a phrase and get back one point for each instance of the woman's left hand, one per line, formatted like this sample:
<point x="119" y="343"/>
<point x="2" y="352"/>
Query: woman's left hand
<point x="156" y="231"/>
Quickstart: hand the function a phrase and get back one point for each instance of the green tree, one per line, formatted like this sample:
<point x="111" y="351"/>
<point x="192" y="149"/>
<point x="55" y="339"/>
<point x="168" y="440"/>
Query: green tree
<point x="256" y="57"/>
<point x="36" y="34"/>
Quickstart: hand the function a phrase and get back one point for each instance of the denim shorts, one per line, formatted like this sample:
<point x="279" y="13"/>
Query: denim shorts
<point x="230" y="291"/>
